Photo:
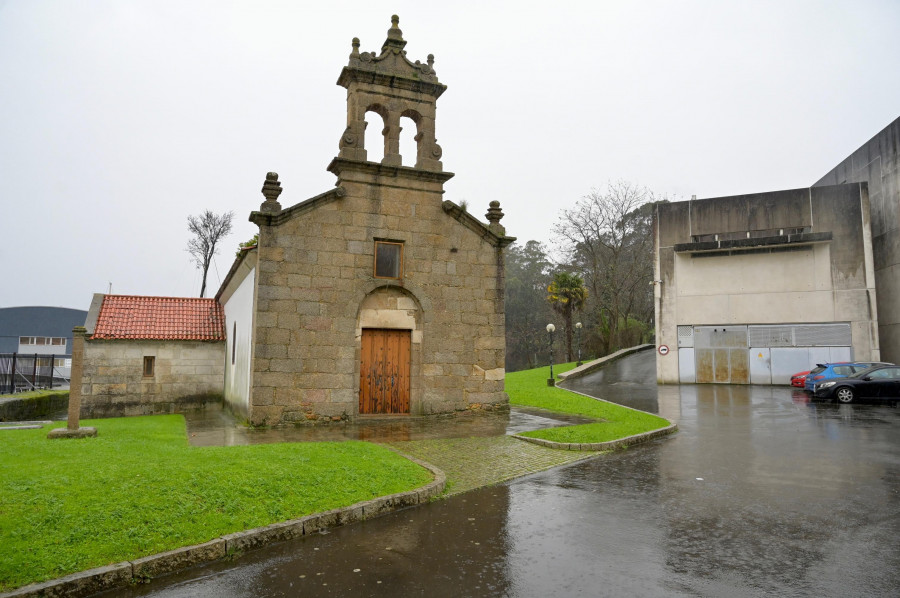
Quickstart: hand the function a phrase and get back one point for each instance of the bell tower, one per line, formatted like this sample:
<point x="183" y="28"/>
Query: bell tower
<point x="391" y="86"/>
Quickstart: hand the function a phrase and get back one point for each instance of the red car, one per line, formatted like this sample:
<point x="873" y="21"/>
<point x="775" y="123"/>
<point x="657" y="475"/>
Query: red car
<point x="799" y="379"/>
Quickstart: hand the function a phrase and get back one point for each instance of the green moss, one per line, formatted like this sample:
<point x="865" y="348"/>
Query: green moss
<point x="36" y="394"/>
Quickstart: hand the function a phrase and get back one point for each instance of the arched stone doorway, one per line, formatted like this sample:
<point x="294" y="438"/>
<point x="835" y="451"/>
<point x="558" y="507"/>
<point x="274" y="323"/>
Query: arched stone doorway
<point x="389" y="337"/>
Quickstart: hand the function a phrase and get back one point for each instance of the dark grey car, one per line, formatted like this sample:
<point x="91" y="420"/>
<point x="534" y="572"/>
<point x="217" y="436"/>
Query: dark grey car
<point x="881" y="382"/>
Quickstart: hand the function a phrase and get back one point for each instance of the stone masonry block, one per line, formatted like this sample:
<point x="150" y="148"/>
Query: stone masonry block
<point x="308" y="308"/>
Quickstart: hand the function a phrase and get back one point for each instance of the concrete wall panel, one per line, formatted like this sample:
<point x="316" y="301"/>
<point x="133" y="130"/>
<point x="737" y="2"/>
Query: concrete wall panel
<point x="675" y="223"/>
<point x="795" y="271"/>
<point x="838" y="210"/>
<point x="877" y="163"/>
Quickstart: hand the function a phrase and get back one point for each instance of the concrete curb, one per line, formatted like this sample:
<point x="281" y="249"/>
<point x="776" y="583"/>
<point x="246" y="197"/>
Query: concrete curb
<point x="591" y="366"/>
<point x="602" y="446"/>
<point x="93" y="581"/>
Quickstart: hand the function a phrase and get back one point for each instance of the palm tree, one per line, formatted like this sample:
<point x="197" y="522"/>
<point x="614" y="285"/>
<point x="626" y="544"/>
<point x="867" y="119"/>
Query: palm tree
<point x="566" y="295"/>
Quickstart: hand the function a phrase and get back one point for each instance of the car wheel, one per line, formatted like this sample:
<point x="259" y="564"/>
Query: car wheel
<point x="845" y="394"/>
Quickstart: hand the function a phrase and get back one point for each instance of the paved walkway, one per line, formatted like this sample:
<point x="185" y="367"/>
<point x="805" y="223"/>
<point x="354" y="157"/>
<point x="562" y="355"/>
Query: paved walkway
<point x="484" y="461"/>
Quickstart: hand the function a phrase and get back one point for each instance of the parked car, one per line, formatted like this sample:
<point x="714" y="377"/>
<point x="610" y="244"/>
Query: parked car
<point x="827" y="371"/>
<point x="799" y="379"/>
<point x="880" y="382"/>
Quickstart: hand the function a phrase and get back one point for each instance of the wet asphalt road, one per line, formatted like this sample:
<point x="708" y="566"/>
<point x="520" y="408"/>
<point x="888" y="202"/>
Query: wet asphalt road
<point x="760" y="493"/>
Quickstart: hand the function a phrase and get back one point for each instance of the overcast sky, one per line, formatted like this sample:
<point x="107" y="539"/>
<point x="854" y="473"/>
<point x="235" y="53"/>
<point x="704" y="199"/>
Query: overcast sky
<point x="120" y="118"/>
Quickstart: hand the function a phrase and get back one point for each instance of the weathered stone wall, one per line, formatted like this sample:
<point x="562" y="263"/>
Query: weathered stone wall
<point x="48" y="403"/>
<point x="317" y="290"/>
<point x="187" y="375"/>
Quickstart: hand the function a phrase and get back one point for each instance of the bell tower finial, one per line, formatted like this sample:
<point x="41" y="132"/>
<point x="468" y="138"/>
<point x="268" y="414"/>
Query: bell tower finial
<point x="394" y="31"/>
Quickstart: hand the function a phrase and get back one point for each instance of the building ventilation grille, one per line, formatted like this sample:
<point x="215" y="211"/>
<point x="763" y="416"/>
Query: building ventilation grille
<point x="720" y="337"/>
<point x="834" y="335"/>
<point x="685" y="336"/>
<point x="771" y="336"/>
<point x="801" y="335"/>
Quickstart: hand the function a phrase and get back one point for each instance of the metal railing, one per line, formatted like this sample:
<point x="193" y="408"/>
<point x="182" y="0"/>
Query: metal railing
<point x="21" y="372"/>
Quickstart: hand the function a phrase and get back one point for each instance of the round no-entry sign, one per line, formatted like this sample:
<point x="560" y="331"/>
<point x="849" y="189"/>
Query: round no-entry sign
<point x="663" y="350"/>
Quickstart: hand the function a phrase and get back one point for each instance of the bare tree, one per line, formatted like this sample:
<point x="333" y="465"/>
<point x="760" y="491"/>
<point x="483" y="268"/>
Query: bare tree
<point x="208" y="229"/>
<point x="608" y="236"/>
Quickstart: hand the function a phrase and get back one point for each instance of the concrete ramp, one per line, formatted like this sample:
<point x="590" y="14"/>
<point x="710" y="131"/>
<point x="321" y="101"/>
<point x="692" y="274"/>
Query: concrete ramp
<point x="599" y="364"/>
<point x="628" y="379"/>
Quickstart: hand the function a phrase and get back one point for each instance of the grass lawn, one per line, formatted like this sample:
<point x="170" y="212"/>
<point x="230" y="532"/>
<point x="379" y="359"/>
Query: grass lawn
<point x="529" y="388"/>
<point x="139" y="489"/>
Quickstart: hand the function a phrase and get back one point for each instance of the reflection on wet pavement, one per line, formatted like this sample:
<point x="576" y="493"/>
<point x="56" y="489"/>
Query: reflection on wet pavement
<point x="214" y="426"/>
<point x="760" y="493"/>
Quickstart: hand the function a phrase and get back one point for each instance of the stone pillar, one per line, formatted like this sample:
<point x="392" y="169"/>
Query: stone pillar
<point x="73" y="428"/>
<point x="391" y="132"/>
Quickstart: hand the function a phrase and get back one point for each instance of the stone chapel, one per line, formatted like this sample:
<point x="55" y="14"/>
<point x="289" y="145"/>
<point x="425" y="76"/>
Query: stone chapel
<point x="377" y="297"/>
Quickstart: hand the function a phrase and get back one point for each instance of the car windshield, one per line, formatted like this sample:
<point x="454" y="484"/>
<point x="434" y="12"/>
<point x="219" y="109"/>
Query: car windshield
<point x="862" y="373"/>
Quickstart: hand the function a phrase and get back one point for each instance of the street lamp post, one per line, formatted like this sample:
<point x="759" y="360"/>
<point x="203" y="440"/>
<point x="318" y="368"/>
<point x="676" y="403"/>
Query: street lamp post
<point x="550" y="329"/>
<point x="578" y="341"/>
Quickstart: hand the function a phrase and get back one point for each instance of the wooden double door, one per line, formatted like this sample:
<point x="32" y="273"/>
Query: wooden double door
<point x="384" y="371"/>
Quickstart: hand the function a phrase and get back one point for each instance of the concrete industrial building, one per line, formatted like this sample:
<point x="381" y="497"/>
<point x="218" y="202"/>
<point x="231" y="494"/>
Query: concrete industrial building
<point x="877" y="163"/>
<point x="753" y="288"/>
<point x="36" y="346"/>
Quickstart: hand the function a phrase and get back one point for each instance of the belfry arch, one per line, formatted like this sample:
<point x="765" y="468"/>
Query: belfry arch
<point x="398" y="88"/>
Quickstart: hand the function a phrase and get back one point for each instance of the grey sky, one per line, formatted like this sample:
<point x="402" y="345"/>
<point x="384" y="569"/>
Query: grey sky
<point x="120" y="118"/>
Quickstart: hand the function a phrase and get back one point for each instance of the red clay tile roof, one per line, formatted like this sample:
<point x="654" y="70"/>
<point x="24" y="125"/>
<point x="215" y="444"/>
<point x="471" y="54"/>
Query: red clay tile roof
<point x="161" y="318"/>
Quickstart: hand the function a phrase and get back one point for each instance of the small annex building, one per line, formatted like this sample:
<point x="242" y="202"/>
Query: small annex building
<point x="376" y="297"/>
<point x="144" y="355"/>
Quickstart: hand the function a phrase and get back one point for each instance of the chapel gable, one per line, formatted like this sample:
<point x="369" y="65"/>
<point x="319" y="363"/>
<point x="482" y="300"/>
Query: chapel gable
<point x="377" y="297"/>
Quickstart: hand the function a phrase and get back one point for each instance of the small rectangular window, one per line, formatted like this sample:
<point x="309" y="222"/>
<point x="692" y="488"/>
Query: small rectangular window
<point x="149" y="363"/>
<point x="26" y="340"/>
<point x="388" y="259"/>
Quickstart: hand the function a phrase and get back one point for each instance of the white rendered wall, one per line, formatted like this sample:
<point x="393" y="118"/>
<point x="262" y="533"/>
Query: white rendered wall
<point x="239" y="332"/>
